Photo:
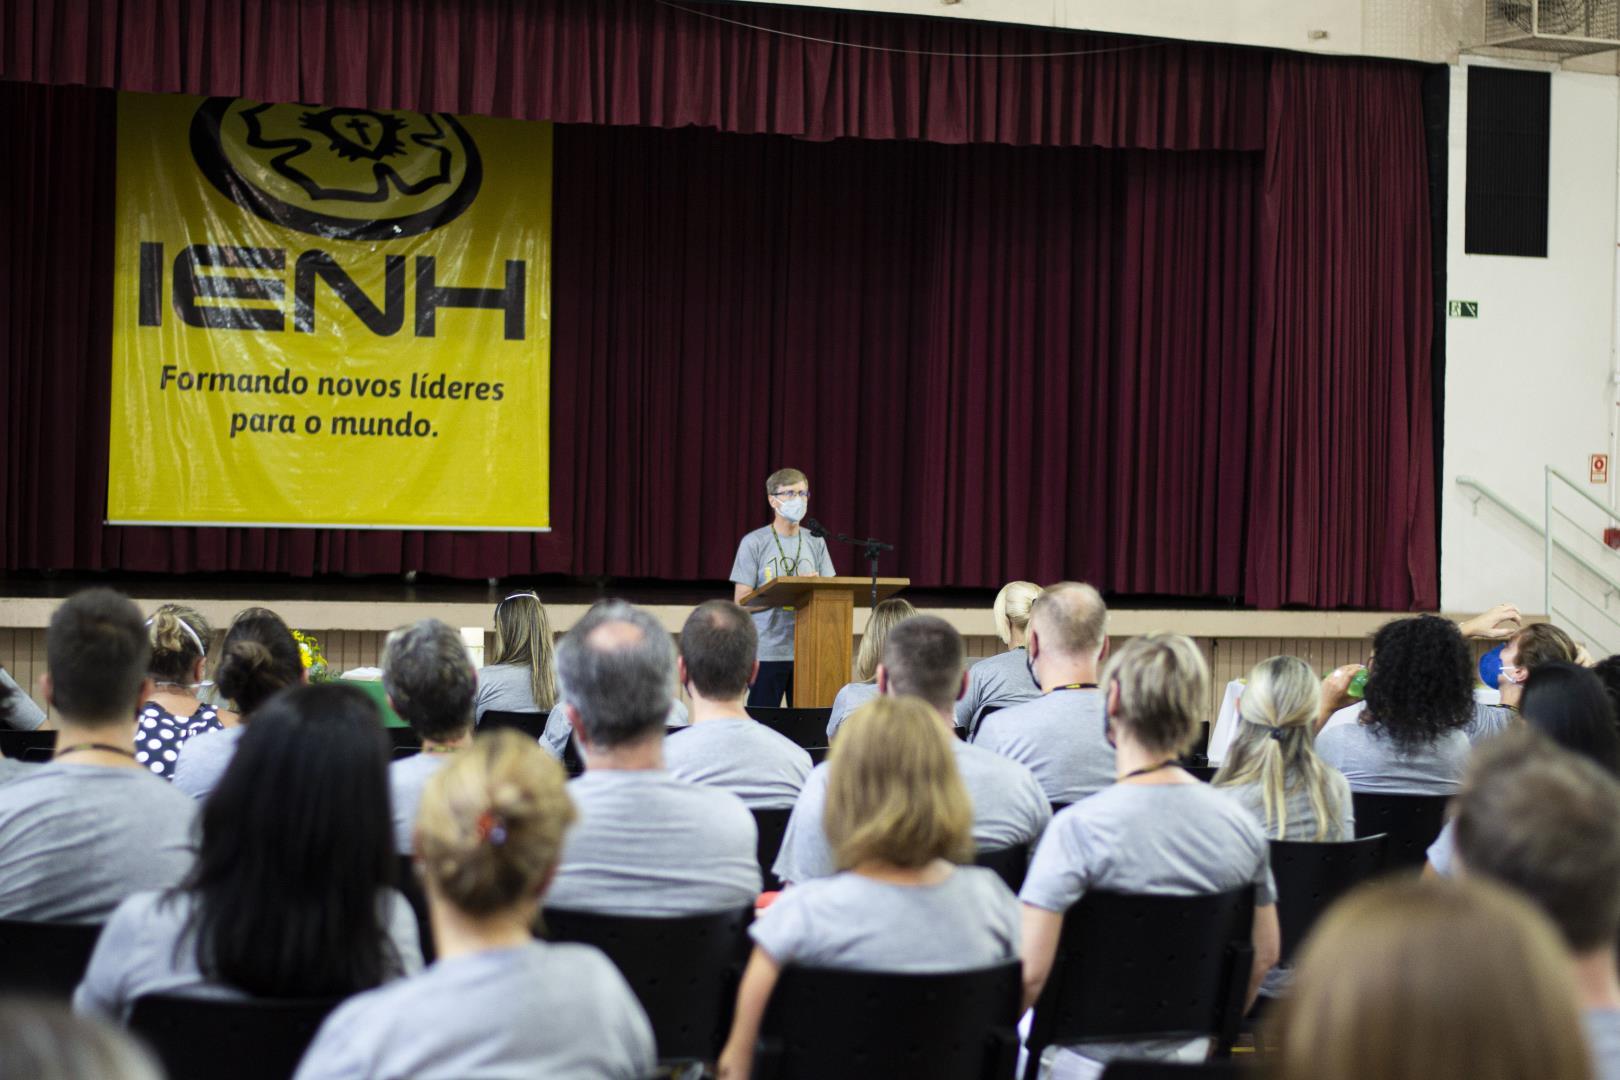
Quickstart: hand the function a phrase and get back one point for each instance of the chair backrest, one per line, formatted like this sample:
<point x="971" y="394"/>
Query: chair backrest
<point x="405" y="741"/>
<point x="979" y="718"/>
<point x="771" y="824"/>
<point x="683" y="970"/>
<point x="532" y="724"/>
<point x="1118" y="954"/>
<point x="44" y="959"/>
<point x="861" y="1025"/>
<point x="1009" y="863"/>
<point x="573" y="761"/>
<point x="410" y="886"/>
<point x="1206" y="773"/>
<point x="27" y="745"/>
<point x="806" y="727"/>
<point x="1176" y="1070"/>
<point x="1310" y="876"/>
<point x="1411" y="822"/>
<point x="202" y="1039"/>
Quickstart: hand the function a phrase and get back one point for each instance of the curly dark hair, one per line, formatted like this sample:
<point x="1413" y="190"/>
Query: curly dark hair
<point x="1422" y="681"/>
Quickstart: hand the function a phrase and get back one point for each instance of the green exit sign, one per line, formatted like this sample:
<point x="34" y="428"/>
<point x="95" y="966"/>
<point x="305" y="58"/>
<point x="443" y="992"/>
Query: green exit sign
<point x="1463" y="309"/>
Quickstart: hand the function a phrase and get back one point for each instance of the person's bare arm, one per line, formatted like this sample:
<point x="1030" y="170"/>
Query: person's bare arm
<point x="1042" y="929"/>
<point x="1267" y="939"/>
<point x="753" y="994"/>
<point x="1498" y="624"/>
<point x="1335" y="693"/>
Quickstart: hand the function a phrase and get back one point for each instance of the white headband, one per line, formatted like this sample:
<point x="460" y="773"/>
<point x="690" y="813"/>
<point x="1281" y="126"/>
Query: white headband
<point x="184" y="626"/>
<point x="517" y="595"/>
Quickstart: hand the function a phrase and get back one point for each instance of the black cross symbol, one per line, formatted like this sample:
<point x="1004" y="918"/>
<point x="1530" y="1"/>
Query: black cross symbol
<point x="360" y="128"/>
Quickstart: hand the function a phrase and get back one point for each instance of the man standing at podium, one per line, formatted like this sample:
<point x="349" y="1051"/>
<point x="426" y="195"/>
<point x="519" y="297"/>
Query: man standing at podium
<point x="780" y="549"/>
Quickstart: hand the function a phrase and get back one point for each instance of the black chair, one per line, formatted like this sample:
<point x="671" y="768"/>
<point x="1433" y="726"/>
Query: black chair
<point x="1206" y="773"/>
<point x="27" y="745"/>
<point x="1119" y="954"/>
<point x="1175" y="1070"/>
<point x="806" y="727"/>
<point x="573" y="761"/>
<point x="1009" y="863"/>
<point x="1059" y="807"/>
<point x="1311" y="876"/>
<point x="979" y="719"/>
<point x="44" y="959"/>
<point x="1411" y="822"/>
<point x="410" y="886"/>
<point x="532" y="724"/>
<point x="771" y="824"/>
<point x="861" y="1025"/>
<point x="683" y="970"/>
<point x="201" y="1039"/>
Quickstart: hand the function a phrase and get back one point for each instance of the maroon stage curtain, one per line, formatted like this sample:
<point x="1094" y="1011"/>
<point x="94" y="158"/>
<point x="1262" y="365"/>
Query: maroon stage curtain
<point x="1170" y="373"/>
<point x="657" y="64"/>
<point x="1342" y="497"/>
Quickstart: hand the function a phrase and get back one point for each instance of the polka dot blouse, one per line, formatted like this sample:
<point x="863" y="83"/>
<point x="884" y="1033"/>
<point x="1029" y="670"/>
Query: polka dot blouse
<point x="159" y="734"/>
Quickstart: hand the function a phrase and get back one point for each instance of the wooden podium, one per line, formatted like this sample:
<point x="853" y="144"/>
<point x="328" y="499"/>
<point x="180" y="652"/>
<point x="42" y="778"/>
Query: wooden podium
<point x="823" y="628"/>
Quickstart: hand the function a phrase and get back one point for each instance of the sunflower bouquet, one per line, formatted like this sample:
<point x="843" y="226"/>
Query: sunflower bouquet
<point x="309" y="650"/>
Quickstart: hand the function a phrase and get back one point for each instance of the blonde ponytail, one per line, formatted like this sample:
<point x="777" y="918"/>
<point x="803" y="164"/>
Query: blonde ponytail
<point x="1274" y="745"/>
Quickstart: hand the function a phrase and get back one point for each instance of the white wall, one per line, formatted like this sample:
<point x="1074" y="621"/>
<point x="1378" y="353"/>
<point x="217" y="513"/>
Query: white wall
<point x="1528" y="383"/>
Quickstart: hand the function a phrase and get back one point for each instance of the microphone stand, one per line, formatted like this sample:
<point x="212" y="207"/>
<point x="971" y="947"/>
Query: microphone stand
<point x="872" y="546"/>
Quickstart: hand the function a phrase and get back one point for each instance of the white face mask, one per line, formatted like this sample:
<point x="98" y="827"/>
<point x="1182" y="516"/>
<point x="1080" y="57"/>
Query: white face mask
<point x="792" y="509"/>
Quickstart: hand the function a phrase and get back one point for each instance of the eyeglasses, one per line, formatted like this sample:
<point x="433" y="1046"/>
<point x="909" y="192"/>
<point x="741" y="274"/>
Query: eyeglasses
<point x="805" y="494"/>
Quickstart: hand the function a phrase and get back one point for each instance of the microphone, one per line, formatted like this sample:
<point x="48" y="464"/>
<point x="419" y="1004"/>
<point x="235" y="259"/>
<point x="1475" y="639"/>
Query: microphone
<point x="816" y="528"/>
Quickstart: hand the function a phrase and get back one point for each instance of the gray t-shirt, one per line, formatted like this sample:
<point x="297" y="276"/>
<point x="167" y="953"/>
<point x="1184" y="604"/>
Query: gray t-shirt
<point x="406" y="779"/>
<point x="969" y="920"/>
<point x="1000" y="680"/>
<point x="1442" y="853"/>
<point x="1009" y="808"/>
<point x="504" y="688"/>
<point x="1373" y="763"/>
<point x="761" y="767"/>
<point x="559" y="1011"/>
<point x="1157" y="839"/>
<point x="649" y="844"/>
<point x="555" y="735"/>
<point x="24" y="715"/>
<point x="1488" y="722"/>
<point x="1301" y="820"/>
<point x="11" y="768"/>
<point x="851" y="697"/>
<point x="1060" y="738"/>
<point x="75" y="840"/>
<point x="1603" y="1035"/>
<point x="145" y="949"/>
<point x="762" y="556"/>
<point x="204" y="759"/>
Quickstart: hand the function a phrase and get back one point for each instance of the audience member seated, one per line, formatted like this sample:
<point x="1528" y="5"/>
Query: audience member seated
<point x="521" y="675"/>
<point x="1546" y="822"/>
<point x="557" y="730"/>
<point x="923" y="659"/>
<point x="1528" y="649"/>
<point x="1608" y="669"/>
<point x="44" y="1041"/>
<point x="430" y="683"/>
<point x="1411" y="738"/>
<point x="646" y="844"/>
<point x="179" y="637"/>
<point x="1156" y="830"/>
<point x="1271" y="767"/>
<point x="853" y="695"/>
<point x="24" y="715"/>
<point x="290" y="896"/>
<point x="898" y="817"/>
<point x="496" y="1002"/>
<point x="83" y="832"/>
<point x="1419" y="979"/>
<point x="1570" y="706"/>
<point x="1059" y="735"/>
<point x="1004" y="679"/>
<point x="258" y="658"/>
<point x="725" y="747"/>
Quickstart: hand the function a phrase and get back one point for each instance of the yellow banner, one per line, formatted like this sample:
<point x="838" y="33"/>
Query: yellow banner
<point x="330" y="317"/>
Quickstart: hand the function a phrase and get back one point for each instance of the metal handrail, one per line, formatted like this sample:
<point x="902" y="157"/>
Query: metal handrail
<point x="1613" y="514"/>
<point x="1551" y="543"/>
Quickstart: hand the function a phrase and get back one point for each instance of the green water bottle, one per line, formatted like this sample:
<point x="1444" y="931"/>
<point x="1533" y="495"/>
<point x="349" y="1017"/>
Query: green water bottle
<point x="1358" y="684"/>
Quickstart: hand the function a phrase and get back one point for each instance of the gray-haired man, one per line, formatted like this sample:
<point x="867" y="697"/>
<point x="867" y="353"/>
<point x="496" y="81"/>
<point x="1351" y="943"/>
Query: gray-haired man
<point x="646" y="843"/>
